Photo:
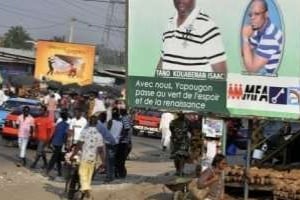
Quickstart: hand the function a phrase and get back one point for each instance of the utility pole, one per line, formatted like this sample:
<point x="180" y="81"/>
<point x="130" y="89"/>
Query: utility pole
<point x="72" y="24"/>
<point x="108" y="23"/>
<point x="106" y="33"/>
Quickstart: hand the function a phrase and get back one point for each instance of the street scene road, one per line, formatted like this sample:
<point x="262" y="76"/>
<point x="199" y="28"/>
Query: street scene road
<point x="146" y="164"/>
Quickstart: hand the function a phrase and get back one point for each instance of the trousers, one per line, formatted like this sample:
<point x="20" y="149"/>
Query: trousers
<point x="165" y="138"/>
<point x="86" y="170"/>
<point x="22" y="143"/>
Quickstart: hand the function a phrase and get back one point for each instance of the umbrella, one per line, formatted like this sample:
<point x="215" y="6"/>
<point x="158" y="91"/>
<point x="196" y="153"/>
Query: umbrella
<point x="91" y="88"/>
<point x="54" y="84"/>
<point x="113" y="91"/>
<point x="71" y="88"/>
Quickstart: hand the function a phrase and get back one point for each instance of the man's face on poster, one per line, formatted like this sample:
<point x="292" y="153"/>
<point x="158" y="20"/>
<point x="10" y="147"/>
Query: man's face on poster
<point x="184" y="7"/>
<point x="258" y="15"/>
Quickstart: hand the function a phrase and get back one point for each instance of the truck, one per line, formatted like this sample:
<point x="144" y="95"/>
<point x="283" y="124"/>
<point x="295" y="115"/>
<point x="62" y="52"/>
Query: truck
<point x="146" y="121"/>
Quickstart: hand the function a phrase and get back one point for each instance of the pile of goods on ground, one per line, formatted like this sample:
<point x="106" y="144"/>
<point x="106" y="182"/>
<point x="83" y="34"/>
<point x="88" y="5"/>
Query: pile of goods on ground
<point x="285" y="184"/>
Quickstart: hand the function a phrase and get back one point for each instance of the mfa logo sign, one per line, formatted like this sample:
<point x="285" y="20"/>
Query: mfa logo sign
<point x="258" y="93"/>
<point x="248" y="92"/>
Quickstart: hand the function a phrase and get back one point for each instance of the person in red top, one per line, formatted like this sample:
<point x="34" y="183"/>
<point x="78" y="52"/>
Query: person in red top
<point x="44" y="129"/>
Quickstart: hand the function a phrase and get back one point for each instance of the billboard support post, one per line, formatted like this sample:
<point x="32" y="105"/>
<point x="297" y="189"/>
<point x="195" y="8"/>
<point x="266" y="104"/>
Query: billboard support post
<point x="248" y="159"/>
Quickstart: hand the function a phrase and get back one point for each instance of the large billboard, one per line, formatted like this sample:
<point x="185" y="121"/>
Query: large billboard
<point x="65" y="62"/>
<point x="236" y="58"/>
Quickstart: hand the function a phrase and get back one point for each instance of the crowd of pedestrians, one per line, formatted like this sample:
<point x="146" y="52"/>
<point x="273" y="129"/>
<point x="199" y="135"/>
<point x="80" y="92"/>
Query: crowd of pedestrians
<point x="96" y="130"/>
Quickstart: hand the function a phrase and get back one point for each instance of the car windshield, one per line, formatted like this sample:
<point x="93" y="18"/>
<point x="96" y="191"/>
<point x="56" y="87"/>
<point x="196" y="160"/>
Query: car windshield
<point x="34" y="111"/>
<point x="11" y="104"/>
<point x="151" y="113"/>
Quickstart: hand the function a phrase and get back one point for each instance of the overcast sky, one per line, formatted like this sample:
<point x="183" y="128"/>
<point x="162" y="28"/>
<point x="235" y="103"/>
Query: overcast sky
<point x="44" y="19"/>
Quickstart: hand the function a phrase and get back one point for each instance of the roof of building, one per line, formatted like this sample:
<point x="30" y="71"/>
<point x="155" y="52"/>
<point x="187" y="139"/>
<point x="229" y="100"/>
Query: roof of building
<point x="17" y="55"/>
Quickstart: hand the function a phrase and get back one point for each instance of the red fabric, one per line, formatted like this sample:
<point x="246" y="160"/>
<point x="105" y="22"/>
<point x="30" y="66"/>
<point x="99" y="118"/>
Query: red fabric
<point x="44" y="128"/>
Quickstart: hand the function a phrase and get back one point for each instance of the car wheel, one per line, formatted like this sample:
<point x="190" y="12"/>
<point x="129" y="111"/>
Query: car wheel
<point x="135" y="132"/>
<point x="146" y="134"/>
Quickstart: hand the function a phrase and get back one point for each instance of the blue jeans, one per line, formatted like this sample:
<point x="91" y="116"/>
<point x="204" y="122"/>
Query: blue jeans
<point x="110" y="161"/>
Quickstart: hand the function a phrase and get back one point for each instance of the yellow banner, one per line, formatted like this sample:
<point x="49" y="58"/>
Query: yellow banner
<point x="65" y="62"/>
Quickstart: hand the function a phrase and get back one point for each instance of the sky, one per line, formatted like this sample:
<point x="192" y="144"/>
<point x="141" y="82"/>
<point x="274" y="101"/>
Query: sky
<point x="44" y="19"/>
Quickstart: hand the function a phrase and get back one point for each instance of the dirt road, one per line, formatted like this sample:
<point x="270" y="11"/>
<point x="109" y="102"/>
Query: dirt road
<point x="148" y="167"/>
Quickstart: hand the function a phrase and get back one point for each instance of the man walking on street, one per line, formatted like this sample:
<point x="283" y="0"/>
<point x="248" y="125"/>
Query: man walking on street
<point x="180" y="142"/>
<point x="25" y="124"/>
<point x="44" y="131"/>
<point x="58" y="140"/>
<point x="164" y="127"/>
<point x="90" y="143"/>
<point x="111" y="147"/>
<point x="115" y="128"/>
<point x="77" y="124"/>
<point x="125" y="143"/>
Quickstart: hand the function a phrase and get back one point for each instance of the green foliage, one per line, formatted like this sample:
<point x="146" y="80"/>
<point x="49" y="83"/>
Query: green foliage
<point x="16" y="38"/>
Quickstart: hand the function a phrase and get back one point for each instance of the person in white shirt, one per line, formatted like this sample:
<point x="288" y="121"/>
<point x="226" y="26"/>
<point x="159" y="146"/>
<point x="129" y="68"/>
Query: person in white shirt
<point x="164" y="127"/>
<point x="192" y="41"/>
<point x="77" y="124"/>
<point x="57" y="97"/>
<point x="3" y="97"/>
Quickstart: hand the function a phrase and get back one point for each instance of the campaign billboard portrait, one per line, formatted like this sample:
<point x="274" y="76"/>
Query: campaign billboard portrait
<point x="177" y="61"/>
<point x="65" y="62"/>
<point x="262" y="38"/>
<point x="194" y="56"/>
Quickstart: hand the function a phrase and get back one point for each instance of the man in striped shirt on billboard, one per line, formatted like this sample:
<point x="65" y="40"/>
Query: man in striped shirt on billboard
<point x="192" y="42"/>
<point x="262" y="41"/>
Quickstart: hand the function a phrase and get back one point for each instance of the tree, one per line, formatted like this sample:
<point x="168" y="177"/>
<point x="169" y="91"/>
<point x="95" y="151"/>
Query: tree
<point x="59" y="38"/>
<point x="16" y="37"/>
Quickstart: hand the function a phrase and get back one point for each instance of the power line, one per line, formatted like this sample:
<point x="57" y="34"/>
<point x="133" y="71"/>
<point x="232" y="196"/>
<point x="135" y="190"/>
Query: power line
<point x="46" y="27"/>
<point x="79" y="7"/>
<point x="102" y="26"/>
<point x="29" y="10"/>
<point x="35" y="28"/>
<point x="10" y="11"/>
<point x="50" y="2"/>
<point x="83" y="8"/>
<point x="115" y="20"/>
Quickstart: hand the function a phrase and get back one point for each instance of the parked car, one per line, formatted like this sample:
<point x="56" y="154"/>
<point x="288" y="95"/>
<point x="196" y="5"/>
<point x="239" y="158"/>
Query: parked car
<point x="10" y="130"/>
<point x="147" y="122"/>
<point x="14" y="103"/>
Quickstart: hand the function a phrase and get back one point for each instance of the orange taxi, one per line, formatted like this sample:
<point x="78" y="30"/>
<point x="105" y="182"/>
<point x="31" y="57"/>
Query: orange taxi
<point x="44" y="126"/>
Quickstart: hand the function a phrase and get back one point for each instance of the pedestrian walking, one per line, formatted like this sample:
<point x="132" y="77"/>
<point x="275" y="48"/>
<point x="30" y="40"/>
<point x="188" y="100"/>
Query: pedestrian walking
<point x="25" y="125"/>
<point x="115" y="127"/>
<point x="125" y="143"/>
<point x="164" y="127"/>
<point x="58" y="140"/>
<point x="44" y="131"/>
<point x="77" y="124"/>
<point x="90" y="144"/>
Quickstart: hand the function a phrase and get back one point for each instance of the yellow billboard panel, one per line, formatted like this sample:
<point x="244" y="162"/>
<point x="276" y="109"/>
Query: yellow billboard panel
<point x="65" y="62"/>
